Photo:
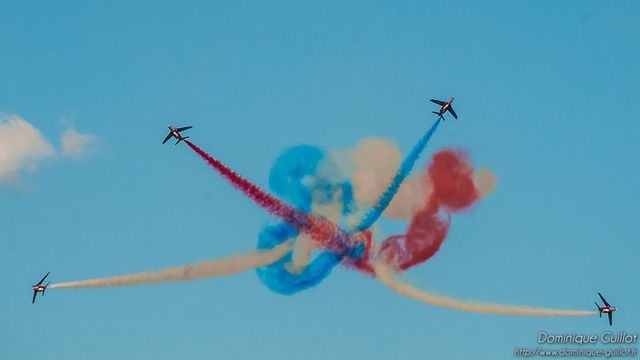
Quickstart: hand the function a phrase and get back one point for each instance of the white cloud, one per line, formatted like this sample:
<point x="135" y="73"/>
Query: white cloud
<point x="75" y="144"/>
<point x="22" y="147"/>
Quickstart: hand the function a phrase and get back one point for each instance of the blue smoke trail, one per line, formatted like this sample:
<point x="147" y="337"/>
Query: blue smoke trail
<point x="277" y="278"/>
<point x="289" y="172"/>
<point x="405" y="168"/>
<point x="296" y="179"/>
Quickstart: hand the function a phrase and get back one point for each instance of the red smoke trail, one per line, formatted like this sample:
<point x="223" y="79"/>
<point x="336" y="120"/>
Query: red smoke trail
<point x="326" y="233"/>
<point x="453" y="190"/>
<point x="451" y="178"/>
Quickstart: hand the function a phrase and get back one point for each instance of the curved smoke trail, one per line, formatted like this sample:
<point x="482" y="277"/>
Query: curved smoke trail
<point x="387" y="277"/>
<point x="405" y="169"/>
<point x="206" y="269"/>
<point x="295" y="273"/>
<point x="304" y="177"/>
<point x="277" y="277"/>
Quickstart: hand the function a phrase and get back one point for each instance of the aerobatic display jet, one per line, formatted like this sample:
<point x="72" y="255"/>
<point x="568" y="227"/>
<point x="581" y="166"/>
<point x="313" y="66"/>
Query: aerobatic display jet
<point x="444" y="107"/>
<point x="606" y="308"/>
<point x="39" y="288"/>
<point x="173" y="132"/>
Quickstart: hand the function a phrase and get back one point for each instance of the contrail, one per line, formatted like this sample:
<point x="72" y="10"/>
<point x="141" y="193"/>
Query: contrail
<point x="404" y="170"/>
<point x="206" y="269"/>
<point x="329" y="235"/>
<point x="386" y="276"/>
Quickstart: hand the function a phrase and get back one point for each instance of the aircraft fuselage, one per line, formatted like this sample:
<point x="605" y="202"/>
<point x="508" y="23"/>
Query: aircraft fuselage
<point x="175" y="133"/>
<point x="446" y="105"/>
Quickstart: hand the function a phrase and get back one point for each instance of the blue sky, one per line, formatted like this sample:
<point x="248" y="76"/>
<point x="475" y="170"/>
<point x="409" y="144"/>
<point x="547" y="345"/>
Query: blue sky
<point x="547" y="97"/>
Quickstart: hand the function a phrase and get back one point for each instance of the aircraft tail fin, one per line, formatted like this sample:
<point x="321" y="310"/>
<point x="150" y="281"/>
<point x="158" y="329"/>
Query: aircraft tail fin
<point x="182" y="138"/>
<point x="440" y="115"/>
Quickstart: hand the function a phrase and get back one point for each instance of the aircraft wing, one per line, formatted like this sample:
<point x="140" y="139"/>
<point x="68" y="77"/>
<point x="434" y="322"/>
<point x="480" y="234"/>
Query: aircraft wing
<point x="167" y="138"/>
<point x="603" y="300"/>
<point x="437" y="102"/>
<point x="610" y="319"/>
<point x="183" y="128"/>
<point x="34" y="296"/>
<point x="41" y="280"/>
<point x="452" y="112"/>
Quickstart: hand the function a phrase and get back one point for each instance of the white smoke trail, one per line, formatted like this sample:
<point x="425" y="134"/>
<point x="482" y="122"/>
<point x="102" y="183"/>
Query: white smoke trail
<point x="485" y="181"/>
<point x="387" y="277"/>
<point x="302" y="253"/>
<point x="206" y="269"/>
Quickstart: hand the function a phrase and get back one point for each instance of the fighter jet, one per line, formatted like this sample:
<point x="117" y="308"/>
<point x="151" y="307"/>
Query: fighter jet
<point x="39" y="288"/>
<point x="608" y="309"/>
<point x="444" y="107"/>
<point x="173" y="132"/>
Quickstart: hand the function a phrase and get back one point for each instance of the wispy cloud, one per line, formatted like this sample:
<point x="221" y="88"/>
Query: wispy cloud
<point x="76" y="144"/>
<point x="22" y="147"/>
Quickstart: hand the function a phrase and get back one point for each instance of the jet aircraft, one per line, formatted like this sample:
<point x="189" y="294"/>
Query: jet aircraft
<point x="444" y="107"/>
<point x="606" y="308"/>
<point x="173" y="132"/>
<point x="39" y="288"/>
